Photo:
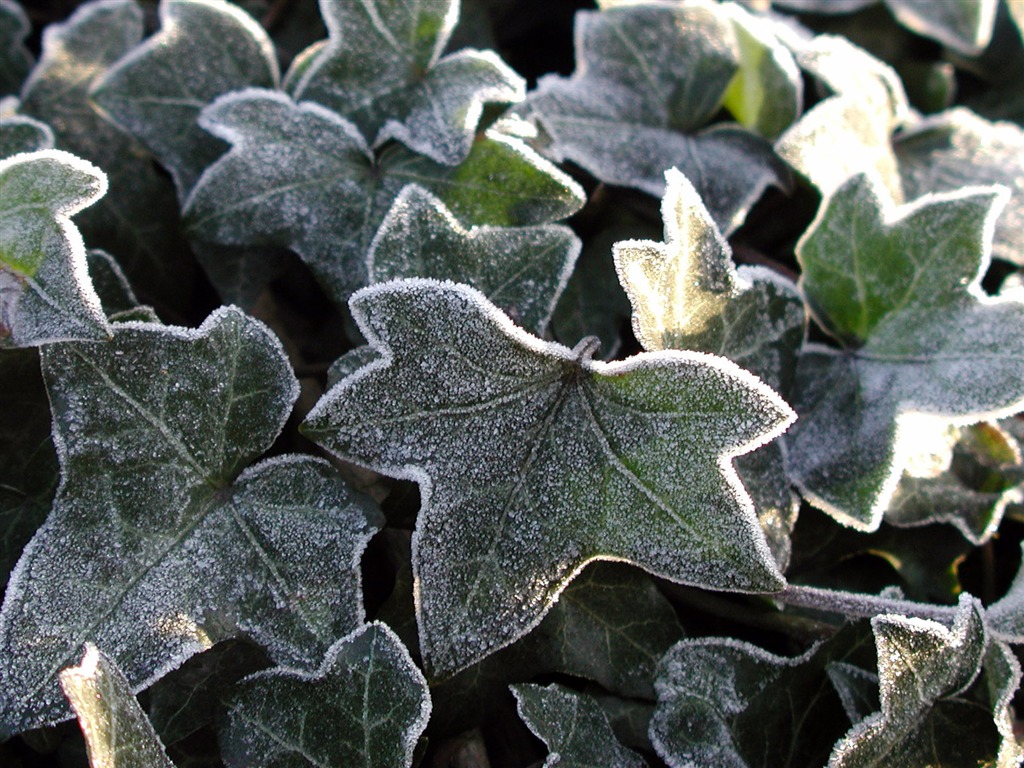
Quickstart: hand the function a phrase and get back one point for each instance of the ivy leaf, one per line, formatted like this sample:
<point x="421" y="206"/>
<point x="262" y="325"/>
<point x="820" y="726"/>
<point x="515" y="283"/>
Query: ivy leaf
<point x="15" y="59"/>
<point x="158" y="544"/>
<point x="535" y="460"/>
<point x="686" y="294"/>
<point x="156" y="91"/>
<point x="649" y="78"/>
<point x="573" y="727"/>
<point x="76" y="54"/>
<point x="23" y="134"/>
<point x="368" y="704"/>
<point x="963" y="25"/>
<point x="300" y="176"/>
<point x="1002" y="680"/>
<point x="521" y="269"/>
<point x="116" y="730"/>
<point x="382" y="70"/>
<point x="923" y="346"/>
<point x="46" y="292"/>
<point x="722" y="702"/>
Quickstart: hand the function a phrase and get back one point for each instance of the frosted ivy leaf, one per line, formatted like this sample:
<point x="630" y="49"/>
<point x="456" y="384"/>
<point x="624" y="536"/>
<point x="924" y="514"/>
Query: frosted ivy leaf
<point x="45" y="291"/>
<point x="23" y="134"/>
<point x="534" y="460"/>
<point x="573" y="727"/>
<point x="686" y="294"/>
<point x="520" y="269"/>
<point x="1002" y="678"/>
<point x="382" y="69"/>
<point x="922" y="345"/>
<point x="944" y="152"/>
<point x="155" y="92"/>
<point x="366" y="705"/>
<point x="967" y="481"/>
<point x="302" y="177"/>
<point x="649" y="78"/>
<point x="963" y="25"/>
<point x="111" y="285"/>
<point x="15" y="58"/>
<point x="158" y="543"/>
<point x="726" y="703"/>
<point x="117" y="733"/>
<point x="1005" y="618"/>
<point x="76" y="54"/>
<point x="923" y="666"/>
<point x="857" y="689"/>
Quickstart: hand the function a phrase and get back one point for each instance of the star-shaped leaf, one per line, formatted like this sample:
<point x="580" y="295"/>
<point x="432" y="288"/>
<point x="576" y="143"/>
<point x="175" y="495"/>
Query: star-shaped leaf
<point x="535" y="460"/>
<point x="649" y="79"/>
<point x="15" y="58"/>
<point x="158" y="543"/>
<point x="300" y="176"/>
<point x="45" y="291"/>
<point x="204" y="48"/>
<point x="116" y="730"/>
<point x="382" y="69"/>
<point x="23" y="134"/>
<point x="367" y="704"/>
<point x="686" y="294"/>
<point x="922" y="345"/>
<point x="520" y="269"/>
<point x="573" y="727"/>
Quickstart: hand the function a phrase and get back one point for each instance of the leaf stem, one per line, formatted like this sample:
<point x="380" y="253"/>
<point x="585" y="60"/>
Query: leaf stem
<point x="861" y="605"/>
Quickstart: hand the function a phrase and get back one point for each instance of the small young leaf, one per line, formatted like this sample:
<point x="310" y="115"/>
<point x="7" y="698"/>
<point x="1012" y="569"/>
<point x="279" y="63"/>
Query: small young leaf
<point x="23" y="134"/>
<point x="15" y="58"/>
<point x="204" y="48"/>
<point x="573" y="727"/>
<point x="649" y="78"/>
<point x="923" y="345"/>
<point x="366" y="705"/>
<point x="535" y="460"/>
<point x="45" y="291"/>
<point x="117" y="733"/>
<point x="382" y="70"/>
<point x="156" y="546"/>
<point x="520" y="269"/>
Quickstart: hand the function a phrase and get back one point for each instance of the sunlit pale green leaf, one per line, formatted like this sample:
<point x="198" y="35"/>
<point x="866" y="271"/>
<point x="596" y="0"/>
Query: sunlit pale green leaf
<point x="116" y="730"/>
<point x="382" y="70"/>
<point x="366" y="705"/>
<point x="649" y="79"/>
<point x="302" y="177"/>
<point x="627" y="461"/>
<point x="522" y="270"/>
<point x="45" y="291"/>
<point x="158" y="543"/>
<point x="923" y="346"/>
<point x="23" y="134"/>
<point x="573" y="727"/>
<point x="15" y="58"/>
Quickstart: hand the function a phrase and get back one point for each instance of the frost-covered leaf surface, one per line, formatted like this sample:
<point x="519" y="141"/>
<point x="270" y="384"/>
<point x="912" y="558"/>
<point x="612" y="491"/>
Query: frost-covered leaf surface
<point x="366" y="705"/>
<point x="76" y="54"/>
<point x="117" y="733"/>
<point x="300" y="176"/>
<point x="157" y="546"/>
<point x="573" y="727"/>
<point x="15" y="59"/>
<point x="722" y="702"/>
<point x="522" y="270"/>
<point x="649" y="79"/>
<point x="382" y="70"/>
<point x="627" y="461"/>
<point x="45" y="291"/>
<point x="23" y="134"/>
<point x="204" y="48"/>
<point x="922" y="345"/>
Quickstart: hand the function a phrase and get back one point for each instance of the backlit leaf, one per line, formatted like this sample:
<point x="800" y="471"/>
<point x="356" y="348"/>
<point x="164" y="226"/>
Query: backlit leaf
<point x="382" y="70"/>
<point x="366" y="705"/>
<point x="159" y="544"/>
<point x="45" y="291"/>
<point x="534" y="460"/>
<point x="923" y="346"/>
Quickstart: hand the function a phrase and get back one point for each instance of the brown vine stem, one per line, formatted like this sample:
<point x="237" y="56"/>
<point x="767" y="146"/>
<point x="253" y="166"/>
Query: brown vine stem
<point x="861" y="605"/>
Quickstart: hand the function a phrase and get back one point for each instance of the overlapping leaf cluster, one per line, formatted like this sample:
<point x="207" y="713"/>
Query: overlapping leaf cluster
<point x="366" y="405"/>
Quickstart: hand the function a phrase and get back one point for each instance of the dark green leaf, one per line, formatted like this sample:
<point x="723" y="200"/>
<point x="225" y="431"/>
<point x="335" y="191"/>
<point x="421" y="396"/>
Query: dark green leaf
<point x="15" y="58"/>
<point x="23" y="134"/>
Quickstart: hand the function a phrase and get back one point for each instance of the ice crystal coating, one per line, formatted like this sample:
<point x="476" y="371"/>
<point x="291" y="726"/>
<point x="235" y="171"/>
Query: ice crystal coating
<point x="382" y="70"/>
<point x="158" y="543"/>
<point x="23" y="134"/>
<point x="573" y="727"/>
<point x="117" y="733"/>
<point x="366" y="705"/>
<point x="45" y="291"/>
<point x="923" y="345"/>
<point x="534" y="460"/>
<point x="520" y="269"/>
